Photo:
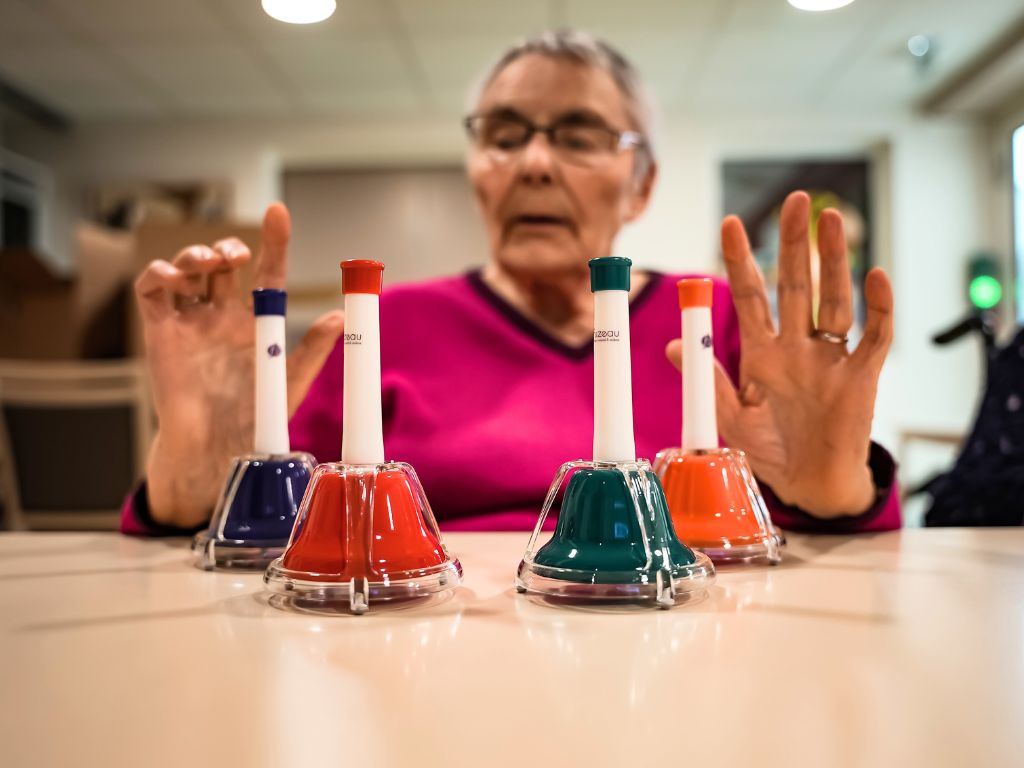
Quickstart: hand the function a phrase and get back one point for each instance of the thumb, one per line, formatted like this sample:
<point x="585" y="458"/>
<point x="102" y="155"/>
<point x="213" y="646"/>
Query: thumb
<point x="305" y="362"/>
<point x="727" y="401"/>
<point x="272" y="265"/>
<point x="674" y="353"/>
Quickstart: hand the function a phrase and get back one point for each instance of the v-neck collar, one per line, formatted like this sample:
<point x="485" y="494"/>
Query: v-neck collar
<point x="539" y="334"/>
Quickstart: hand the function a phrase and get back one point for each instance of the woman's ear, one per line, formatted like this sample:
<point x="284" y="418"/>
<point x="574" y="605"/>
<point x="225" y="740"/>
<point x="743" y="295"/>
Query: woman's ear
<point x="642" y="188"/>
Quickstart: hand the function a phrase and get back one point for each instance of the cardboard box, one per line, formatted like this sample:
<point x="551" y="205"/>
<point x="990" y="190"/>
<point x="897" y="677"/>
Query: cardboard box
<point x="45" y="315"/>
<point x="93" y="313"/>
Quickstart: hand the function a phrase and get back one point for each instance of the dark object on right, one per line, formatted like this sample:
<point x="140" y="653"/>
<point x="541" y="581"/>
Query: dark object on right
<point x="986" y="484"/>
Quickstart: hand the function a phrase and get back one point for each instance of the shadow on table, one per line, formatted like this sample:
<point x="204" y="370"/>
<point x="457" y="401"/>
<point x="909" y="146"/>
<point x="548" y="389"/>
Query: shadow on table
<point x="96" y="544"/>
<point x="825" y="544"/>
<point x="724" y="602"/>
<point x="175" y="566"/>
<point x="988" y="557"/>
<point x="793" y="562"/>
<point x="605" y="607"/>
<point x="261" y="604"/>
<point x="438" y="605"/>
<point x="822" y="546"/>
<point x="717" y="601"/>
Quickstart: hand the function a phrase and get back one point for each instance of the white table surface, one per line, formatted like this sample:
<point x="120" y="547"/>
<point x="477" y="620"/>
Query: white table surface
<point x="902" y="649"/>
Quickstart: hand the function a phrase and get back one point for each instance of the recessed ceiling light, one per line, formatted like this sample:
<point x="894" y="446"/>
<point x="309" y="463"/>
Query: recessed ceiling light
<point x="919" y="45"/>
<point x="300" y="11"/>
<point x="819" y="5"/>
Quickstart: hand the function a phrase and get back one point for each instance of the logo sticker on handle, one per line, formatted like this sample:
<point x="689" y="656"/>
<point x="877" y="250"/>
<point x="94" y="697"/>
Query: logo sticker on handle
<point x="274" y="350"/>
<point x="706" y="341"/>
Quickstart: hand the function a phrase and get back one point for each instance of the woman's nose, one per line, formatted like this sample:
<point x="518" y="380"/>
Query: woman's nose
<point x="536" y="160"/>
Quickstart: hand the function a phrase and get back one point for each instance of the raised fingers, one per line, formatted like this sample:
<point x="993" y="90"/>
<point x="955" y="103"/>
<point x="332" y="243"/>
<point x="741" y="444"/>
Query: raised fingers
<point x="224" y="283"/>
<point x="746" y="283"/>
<point x="305" y="362"/>
<point x="727" y="401"/>
<point x="835" y="310"/>
<point x="878" y="328"/>
<point x="156" y="287"/>
<point x="272" y="265"/>
<point x="795" y="267"/>
<point x="198" y="263"/>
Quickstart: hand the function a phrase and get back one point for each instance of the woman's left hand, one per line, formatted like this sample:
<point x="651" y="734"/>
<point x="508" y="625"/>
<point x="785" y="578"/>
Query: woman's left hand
<point x="804" y="406"/>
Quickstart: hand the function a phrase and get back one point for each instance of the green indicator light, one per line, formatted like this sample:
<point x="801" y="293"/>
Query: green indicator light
<point x="985" y="291"/>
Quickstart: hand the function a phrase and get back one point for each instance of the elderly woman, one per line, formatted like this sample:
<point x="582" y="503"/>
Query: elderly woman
<point x="488" y="376"/>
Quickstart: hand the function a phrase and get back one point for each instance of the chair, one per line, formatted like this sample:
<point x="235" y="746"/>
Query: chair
<point x="73" y="440"/>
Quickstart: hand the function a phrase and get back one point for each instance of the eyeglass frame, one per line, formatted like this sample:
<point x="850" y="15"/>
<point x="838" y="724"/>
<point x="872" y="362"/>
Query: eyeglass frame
<point x="624" y="139"/>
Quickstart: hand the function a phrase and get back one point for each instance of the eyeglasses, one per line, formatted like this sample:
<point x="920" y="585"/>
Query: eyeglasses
<point x="503" y="137"/>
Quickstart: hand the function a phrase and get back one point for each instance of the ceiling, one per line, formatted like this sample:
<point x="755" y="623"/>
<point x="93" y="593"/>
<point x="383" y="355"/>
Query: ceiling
<point x="118" y="59"/>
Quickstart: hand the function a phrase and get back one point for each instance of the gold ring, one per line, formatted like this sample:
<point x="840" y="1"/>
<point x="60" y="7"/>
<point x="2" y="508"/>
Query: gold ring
<point x="831" y="338"/>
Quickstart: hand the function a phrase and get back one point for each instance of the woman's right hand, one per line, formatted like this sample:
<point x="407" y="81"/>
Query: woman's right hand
<point x="199" y="333"/>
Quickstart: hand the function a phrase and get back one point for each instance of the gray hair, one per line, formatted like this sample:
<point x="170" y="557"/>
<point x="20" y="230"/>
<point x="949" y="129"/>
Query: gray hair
<point x="584" y="48"/>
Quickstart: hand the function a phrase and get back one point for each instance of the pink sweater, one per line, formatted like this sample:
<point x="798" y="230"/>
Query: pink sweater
<point x="486" y="406"/>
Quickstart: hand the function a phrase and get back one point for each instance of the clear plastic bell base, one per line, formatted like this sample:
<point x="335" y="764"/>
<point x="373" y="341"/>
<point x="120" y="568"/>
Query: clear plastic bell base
<point x="614" y="541"/>
<point x="212" y="554"/>
<point x="365" y="536"/>
<point x="254" y="516"/>
<point x="716" y="506"/>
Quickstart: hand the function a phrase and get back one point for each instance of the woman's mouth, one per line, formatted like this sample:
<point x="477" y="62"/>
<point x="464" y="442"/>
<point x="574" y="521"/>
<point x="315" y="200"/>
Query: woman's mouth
<point x="539" y="221"/>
